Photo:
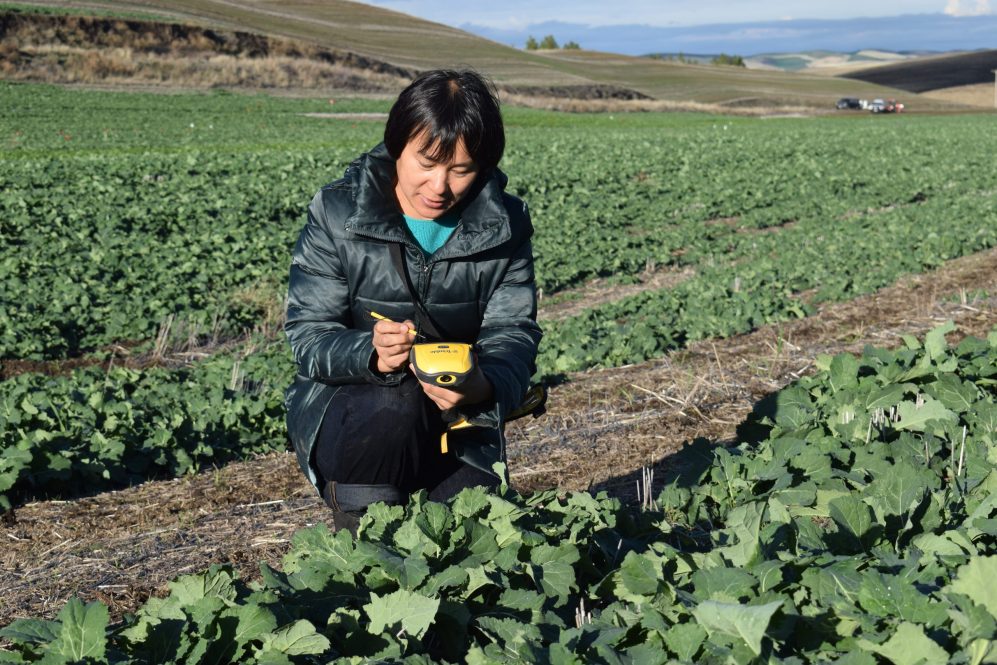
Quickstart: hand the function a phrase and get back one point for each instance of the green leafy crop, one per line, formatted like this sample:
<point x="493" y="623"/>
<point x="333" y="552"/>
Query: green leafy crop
<point x="831" y="533"/>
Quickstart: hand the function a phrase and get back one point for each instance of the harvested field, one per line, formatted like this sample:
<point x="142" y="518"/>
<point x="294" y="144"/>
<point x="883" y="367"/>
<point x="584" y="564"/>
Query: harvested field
<point x="922" y="75"/>
<point x="122" y="547"/>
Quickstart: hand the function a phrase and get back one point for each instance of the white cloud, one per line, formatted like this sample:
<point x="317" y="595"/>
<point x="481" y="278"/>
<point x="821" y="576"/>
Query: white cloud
<point x="968" y="8"/>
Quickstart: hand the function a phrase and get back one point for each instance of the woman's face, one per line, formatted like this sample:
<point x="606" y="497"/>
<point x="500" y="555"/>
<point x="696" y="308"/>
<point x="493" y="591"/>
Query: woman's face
<point x="427" y="189"/>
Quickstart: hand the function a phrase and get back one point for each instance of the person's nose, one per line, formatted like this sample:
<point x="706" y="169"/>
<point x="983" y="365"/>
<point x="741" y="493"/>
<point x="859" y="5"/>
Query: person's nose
<point x="438" y="182"/>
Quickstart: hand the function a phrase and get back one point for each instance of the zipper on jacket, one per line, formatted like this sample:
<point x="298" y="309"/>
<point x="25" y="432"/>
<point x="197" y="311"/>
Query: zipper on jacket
<point x="426" y="269"/>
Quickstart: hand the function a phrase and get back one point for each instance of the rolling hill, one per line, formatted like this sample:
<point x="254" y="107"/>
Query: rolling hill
<point x="926" y="74"/>
<point x="405" y="43"/>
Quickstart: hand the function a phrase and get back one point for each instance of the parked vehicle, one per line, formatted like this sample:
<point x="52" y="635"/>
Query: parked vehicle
<point x="885" y="106"/>
<point x="849" y="103"/>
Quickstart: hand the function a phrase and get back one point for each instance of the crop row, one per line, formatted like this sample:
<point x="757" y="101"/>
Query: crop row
<point x="100" y="429"/>
<point x="856" y="522"/>
<point x="768" y="278"/>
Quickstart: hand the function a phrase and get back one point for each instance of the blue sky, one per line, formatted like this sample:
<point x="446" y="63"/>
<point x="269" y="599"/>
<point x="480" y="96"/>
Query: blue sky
<point x="511" y="14"/>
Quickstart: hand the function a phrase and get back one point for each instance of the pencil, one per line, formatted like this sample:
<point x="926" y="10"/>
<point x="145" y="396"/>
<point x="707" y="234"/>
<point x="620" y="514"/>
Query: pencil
<point x="384" y="318"/>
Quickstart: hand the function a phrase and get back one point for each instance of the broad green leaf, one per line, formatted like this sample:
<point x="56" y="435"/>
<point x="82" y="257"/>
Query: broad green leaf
<point x="298" y="639"/>
<point x="976" y="580"/>
<point x="768" y="573"/>
<point x="565" y="553"/>
<point x="885" y="397"/>
<point x="844" y="372"/>
<point x="556" y="578"/>
<point x="892" y="596"/>
<point x="684" y="640"/>
<point x="744" y="522"/>
<point x="852" y="516"/>
<point x="983" y="417"/>
<point x="640" y="574"/>
<point x="856" y="658"/>
<point x="409" y="572"/>
<point x="481" y="542"/>
<point x="477" y="578"/>
<point x="648" y="653"/>
<point x="894" y="493"/>
<point x="982" y="651"/>
<point x="793" y="408"/>
<point x="83" y="632"/>
<point x="835" y="586"/>
<point x="436" y="521"/>
<point x="745" y="622"/>
<point x="935" y="345"/>
<point x="31" y="631"/>
<point x="909" y="646"/>
<point x="411" y="612"/>
<point x="969" y="619"/>
<point x="915" y="418"/>
<point x="509" y="633"/>
<point x="379" y="517"/>
<point x="522" y="599"/>
<point x="945" y="544"/>
<point x="28" y="407"/>
<point x="954" y="393"/>
<point x="217" y="581"/>
<point x="470" y="501"/>
<point x="452" y="576"/>
<point x="253" y="622"/>
<point x="724" y="584"/>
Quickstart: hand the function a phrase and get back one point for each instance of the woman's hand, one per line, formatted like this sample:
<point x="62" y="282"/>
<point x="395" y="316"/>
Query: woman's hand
<point x="477" y="388"/>
<point x="392" y="342"/>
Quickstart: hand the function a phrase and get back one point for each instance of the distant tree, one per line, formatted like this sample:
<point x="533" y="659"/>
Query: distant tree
<point x="729" y="60"/>
<point x="531" y="43"/>
<point x="548" y="42"/>
<point x="571" y="46"/>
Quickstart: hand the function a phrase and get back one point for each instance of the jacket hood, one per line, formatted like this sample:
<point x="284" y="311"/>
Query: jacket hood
<point x="484" y="221"/>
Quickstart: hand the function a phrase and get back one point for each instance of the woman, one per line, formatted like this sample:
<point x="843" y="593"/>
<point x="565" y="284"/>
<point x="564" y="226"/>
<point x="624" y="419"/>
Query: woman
<point x="417" y="242"/>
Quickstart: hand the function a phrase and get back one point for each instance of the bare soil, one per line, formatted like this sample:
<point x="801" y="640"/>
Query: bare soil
<point x="599" y="292"/>
<point x="601" y="429"/>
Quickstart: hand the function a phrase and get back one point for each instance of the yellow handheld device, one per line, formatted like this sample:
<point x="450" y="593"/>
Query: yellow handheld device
<point x="445" y="364"/>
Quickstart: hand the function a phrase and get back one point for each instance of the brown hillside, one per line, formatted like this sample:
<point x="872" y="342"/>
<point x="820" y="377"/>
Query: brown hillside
<point x="76" y="49"/>
<point x="926" y="74"/>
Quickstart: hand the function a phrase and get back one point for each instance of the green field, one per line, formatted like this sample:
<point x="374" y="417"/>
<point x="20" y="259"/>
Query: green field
<point x="144" y="217"/>
<point x="853" y="521"/>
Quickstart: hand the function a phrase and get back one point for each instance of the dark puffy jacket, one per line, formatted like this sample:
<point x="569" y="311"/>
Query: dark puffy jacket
<point x="478" y="288"/>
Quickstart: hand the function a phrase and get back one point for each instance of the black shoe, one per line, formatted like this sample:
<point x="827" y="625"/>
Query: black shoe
<point x="349" y="520"/>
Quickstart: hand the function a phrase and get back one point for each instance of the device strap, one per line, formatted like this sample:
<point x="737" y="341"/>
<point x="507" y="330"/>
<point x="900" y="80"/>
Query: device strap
<point x="424" y="322"/>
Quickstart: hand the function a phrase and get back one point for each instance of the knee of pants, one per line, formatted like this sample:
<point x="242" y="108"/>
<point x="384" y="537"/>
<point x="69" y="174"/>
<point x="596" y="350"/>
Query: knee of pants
<point x="368" y="422"/>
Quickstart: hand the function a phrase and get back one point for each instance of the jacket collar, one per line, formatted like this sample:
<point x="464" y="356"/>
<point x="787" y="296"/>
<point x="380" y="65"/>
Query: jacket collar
<point x="484" y="222"/>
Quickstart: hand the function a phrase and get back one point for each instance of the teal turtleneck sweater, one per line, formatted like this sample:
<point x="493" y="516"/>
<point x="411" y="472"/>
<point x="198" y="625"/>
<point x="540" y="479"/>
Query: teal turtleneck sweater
<point x="431" y="234"/>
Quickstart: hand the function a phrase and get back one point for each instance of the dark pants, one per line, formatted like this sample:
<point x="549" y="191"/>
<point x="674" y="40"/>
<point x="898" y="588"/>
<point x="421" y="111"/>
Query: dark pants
<point x="378" y="435"/>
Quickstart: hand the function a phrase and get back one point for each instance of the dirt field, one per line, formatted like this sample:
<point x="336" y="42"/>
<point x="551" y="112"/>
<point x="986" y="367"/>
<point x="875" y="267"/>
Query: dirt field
<point x="122" y="547"/>
<point x="981" y="95"/>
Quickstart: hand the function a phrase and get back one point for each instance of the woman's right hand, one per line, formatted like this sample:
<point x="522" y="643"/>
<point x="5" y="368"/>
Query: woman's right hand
<point x="392" y="342"/>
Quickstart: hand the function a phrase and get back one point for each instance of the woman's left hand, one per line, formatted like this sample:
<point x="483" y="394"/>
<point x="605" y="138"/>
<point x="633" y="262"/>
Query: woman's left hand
<point x="477" y="388"/>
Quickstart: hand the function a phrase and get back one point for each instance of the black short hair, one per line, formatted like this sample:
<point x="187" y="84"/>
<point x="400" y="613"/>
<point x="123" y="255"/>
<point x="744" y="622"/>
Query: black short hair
<point x="449" y="105"/>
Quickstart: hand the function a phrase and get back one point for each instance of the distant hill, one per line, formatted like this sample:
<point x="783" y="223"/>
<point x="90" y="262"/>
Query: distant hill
<point x="926" y="74"/>
<point x="824" y="60"/>
<point x="326" y="37"/>
<point x="913" y="32"/>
